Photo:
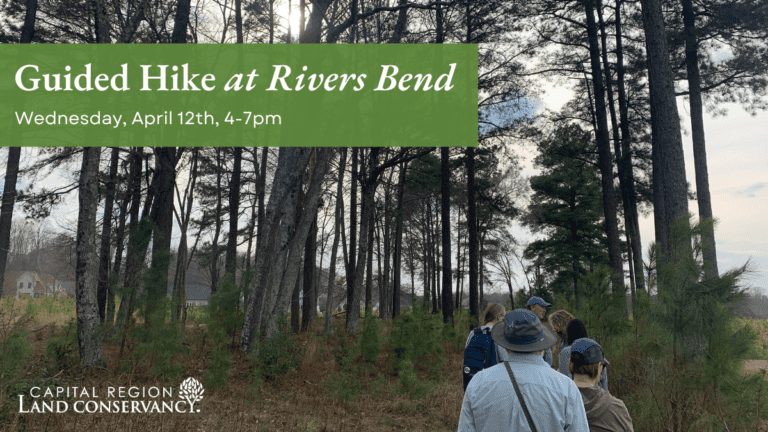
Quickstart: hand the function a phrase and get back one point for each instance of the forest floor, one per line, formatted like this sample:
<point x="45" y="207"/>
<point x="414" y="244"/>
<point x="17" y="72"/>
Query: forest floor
<point x="302" y="400"/>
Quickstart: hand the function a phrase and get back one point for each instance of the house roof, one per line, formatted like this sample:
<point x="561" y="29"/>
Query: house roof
<point x="10" y="283"/>
<point x="194" y="292"/>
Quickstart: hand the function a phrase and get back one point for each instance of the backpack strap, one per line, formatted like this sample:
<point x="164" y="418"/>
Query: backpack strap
<point x="520" y="398"/>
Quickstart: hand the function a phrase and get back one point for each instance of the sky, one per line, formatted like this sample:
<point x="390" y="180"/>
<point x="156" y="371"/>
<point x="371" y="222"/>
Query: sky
<point x="737" y="160"/>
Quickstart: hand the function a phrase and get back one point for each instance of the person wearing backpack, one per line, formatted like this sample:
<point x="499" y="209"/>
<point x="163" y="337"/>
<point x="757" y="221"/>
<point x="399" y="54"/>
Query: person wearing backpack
<point x="481" y="351"/>
<point x="522" y="393"/>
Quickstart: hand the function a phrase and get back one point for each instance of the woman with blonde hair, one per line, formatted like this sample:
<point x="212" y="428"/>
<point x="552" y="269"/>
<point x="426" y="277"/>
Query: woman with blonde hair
<point x="559" y="320"/>
<point x="481" y="351"/>
<point x="493" y="313"/>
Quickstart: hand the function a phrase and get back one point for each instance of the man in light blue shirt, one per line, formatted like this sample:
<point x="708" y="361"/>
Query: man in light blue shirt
<point x="553" y="401"/>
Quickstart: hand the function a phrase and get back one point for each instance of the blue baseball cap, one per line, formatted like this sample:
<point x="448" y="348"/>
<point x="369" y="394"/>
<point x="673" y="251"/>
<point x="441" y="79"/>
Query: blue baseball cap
<point x="590" y="350"/>
<point x="521" y="331"/>
<point x="538" y="300"/>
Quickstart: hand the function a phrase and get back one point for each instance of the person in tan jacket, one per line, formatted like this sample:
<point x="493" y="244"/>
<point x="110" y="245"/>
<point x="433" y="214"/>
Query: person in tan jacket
<point x="605" y="413"/>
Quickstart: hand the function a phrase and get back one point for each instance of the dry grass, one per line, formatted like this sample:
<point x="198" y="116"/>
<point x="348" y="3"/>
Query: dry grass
<point x="301" y="401"/>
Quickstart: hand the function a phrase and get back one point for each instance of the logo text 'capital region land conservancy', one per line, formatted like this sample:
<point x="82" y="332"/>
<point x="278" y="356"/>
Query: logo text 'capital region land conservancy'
<point x="143" y="400"/>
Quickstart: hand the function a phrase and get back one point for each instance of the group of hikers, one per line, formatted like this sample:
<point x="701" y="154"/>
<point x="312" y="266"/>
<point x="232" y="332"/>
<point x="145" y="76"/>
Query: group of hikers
<point x="510" y="381"/>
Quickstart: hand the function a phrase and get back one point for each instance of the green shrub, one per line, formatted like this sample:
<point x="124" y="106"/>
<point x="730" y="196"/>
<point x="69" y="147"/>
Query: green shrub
<point x="278" y="354"/>
<point x="417" y="337"/>
<point x="62" y="349"/>
<point x="371" y="340"/>
<point x="160" y="343"/>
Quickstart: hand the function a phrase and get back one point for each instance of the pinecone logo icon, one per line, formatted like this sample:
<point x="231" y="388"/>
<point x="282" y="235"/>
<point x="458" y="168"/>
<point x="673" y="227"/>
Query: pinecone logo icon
<point x="191" y="390"/>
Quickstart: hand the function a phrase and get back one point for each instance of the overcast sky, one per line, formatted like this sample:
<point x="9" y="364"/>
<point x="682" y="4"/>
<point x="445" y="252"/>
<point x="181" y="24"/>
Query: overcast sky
<point x="737" y="156"/>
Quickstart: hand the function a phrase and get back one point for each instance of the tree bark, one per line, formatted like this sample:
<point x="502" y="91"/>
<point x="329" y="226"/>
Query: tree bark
<point x="217" y="224"/>
<point x="310" y="251"/>
<point x="350" y="267"/>
<point x="402" y="19"/>
<point x="704" y="199"/>
<point x="369" y="261"/>
<point x="181" y="22"/>
<point x="91" y="345"/>
<point x="604" y="152"/>
<point x="445" y="211"/>
<point x="230" y="262"/>
<point x="472" y="231"/>
<point x="28" y="31"/>
<point x="398" y="242"/>
<point x="318" y="167"/>
<point x="670" y="200"/>
<point x="291" y="161"/>
<point x="162" y="216"/>
<point x="106" y="236"/>
<point x="6" y="210"/>
<point x="626" y="155"/>
<point x="338" y="215"/>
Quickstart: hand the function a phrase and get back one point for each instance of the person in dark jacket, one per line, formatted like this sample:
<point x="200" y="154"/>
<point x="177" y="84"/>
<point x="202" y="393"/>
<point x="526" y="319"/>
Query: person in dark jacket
<point x="576" y="329"/>
<point x="605" y="413"/>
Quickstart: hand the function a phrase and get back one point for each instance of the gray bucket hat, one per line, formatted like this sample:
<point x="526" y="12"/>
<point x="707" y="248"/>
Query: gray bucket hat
<point x="521" y="331"/>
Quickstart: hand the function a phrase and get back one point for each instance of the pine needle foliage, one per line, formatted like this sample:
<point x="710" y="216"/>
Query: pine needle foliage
<point x="15" y="347"/>
<point x="160" y="342"/>
<point x="278" y="354"/>
<point x="371" y="341"/>
<point x="417" y="337"/>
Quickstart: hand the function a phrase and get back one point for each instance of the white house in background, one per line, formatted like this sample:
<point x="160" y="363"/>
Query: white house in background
<point x="31" y="284"/>
<point x="197" y="295"/>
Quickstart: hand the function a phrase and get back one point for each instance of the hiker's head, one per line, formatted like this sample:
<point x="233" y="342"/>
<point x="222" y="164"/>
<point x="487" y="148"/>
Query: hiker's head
<point x="587" y="358"/>
<point x="576" y="329"/>
<point x="538" y="306"/>
<point x="559" y="321"/>
<point x="493" y="314"/>
<point x="521" y="331"/>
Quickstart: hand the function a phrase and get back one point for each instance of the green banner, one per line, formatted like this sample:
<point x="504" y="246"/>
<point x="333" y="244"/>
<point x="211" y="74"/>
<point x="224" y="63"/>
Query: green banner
<point x="239" y="95"/>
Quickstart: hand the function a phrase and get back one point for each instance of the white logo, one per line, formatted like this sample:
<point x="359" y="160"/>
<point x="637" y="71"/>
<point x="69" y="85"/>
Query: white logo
<point x="191" y="390"/>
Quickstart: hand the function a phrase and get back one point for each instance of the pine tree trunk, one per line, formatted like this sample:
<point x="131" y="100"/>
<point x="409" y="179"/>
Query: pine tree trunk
<point x="118" y="260"/>
<point x="368" y="191"/>
<point x="338" y="216"/>
<point x="703" y="197"/>
<point x="670" y="200"/>
<point x="296" y="306"/>
<point x="310" y="250"/>
<point x="181" y="22"/>
<point x="445" y="216"/>
<point x="162" y="216"/>
<point x="626" y="156"/>
<point x="402" y="19"/>
<point x="398" y="242"/>
<point x="369" y="261"/>
<point x="217" y="225"/>
<point x="28" y="30"/>
<point x="180" y="278"/>
<point x="604" y="152"/>
<point x="350" y="267"/>
<point x="318" y="167"/>
<point x="291" y="161"/>
<point x="239" y="21"/>
<point x="473" y="240"/>
<point x="88" y="329"/>
<point x="138" y="242"/>
<point x="230" y="262"/>
<point x="106" y="234"/>
<point x="6" y="210"/>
